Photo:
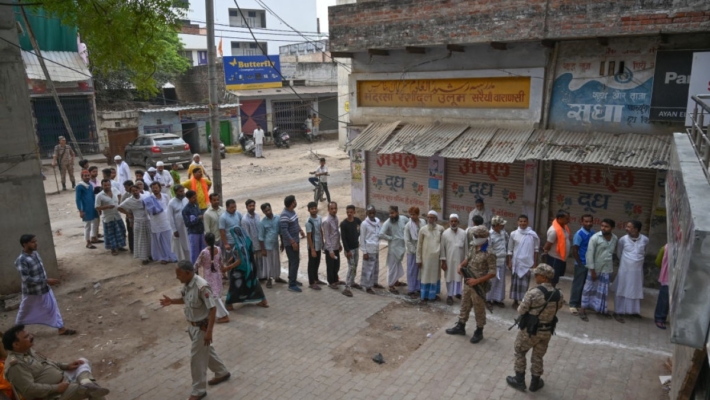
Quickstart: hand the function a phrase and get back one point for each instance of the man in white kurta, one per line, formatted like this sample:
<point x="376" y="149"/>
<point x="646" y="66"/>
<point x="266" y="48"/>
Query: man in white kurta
<point x="523" y="249"/>
<point x="370" y="246"/>
<point x="454" y="248"/>
<point x="179" y="245"/>
<point x="481" y="211"/>
<point x="160" y="230"/>
<point x="628" y="285"/>
<point x="428" y="254"/>
<point x="123" y="172"/>
<point x="393" y="232"/>
<point x="164" y="177"/>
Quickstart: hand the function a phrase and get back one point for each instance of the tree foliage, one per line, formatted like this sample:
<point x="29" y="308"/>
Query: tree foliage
<point x="134" y="39"/>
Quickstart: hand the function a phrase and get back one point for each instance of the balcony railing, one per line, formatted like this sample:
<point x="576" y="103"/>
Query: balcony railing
<point x="699" y="130"/>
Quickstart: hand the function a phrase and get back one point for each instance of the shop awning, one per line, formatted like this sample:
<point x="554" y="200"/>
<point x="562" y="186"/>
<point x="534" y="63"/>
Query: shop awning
<point x="470" y="144"/>
<point x="505" y="145"/>
<point x="404" y="138"/>
<point x="435" y="139"/>
<point x="373" y="136"/>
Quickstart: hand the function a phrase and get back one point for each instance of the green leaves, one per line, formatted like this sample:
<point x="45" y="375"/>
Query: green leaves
<point x="136" y="39"/>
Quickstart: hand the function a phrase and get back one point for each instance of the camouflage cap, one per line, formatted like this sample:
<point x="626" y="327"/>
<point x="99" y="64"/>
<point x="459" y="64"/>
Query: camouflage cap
<point x="498" y="220"/>
<point x="480" y="231"/>
<point x="544" y="270"/>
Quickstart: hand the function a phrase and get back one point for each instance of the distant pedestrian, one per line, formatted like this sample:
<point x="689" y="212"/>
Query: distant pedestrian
<point x="228" y="220"/>
<point x="211" y="219"/>
<point x="600" y="264"/>
<point x="129" y="221"/>
<point x="370" y="246"/>
<point x="196" y="164"/>
<point x="557" y="247"/>
<point x="151" y="177"/>
<point x="321" y="175"/>
<point x="291" y="233"/>
<point x="478" y="268"/>
<point x="84" y="164"/>
<point x="107" y="203"/>
<point x="454" y="249"/>
<point x="250" y="226"/>
<point x="332" y="246"/>
<point x="628" y="285"/>
<point x="201" y="187"/>
<point x="38" y="305"/>
<point x="64" y="158"/>
<point x="161" y="232"/>
<point x="179" y="244"/>
<point x="411" y="237"/>
<point x="393" y="232"/>
<point x="123" y="171"/>
<point x="543" y="302"/>
<point x="428" y="253"/>
<point x="192" y="216"/>
<point x="579" y="252"/>
<point x="258" y="135"/>
<point x="110" y="173"/>
<point x="523" y="250"/>
<point x="314" y="235"/>
<point x="498" y="245"/>
<point x="269" y="232"/>
<point x="201" y="312"/>
<point x="480" y="210"/>
<point x="85" y="200"/>
<point x="175" y="175"/>
<point x="662" y="303"/>
<point x="350" y="235"/>
<point x="140" y="175"/>
<point x="210" y="261"/>
<point x="134" y="207"/>
<point x="165" y="178"/>
<point x="316" y="120"/>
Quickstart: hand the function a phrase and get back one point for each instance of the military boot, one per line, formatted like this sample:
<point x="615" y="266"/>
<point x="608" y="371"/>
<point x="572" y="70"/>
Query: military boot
<point x="517" y="381"/>
<point x="458" y="329"/>
<point x="536" y="383"/>
<point x="64" y="186"/>
<point x="477" y="335"/>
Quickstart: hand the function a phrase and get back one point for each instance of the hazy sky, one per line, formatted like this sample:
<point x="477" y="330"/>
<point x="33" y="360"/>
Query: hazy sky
<point x="323" y="13"/>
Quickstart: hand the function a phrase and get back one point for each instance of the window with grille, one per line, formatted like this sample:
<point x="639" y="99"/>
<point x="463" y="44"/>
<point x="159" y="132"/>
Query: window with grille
<point x="252" y="18"/>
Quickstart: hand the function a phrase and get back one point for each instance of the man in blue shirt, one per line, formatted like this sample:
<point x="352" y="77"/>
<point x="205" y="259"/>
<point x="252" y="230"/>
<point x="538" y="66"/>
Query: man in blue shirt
<point x="291" y="234"/>
<point x="269" y="231"/>
<point x="192" y="215"/>
<point x="227" y="221"/>
<point x="579" y="252"/>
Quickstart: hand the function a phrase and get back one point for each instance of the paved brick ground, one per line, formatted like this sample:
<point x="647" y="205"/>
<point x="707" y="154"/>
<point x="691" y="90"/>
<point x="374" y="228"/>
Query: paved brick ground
<point x="286" y="352"/>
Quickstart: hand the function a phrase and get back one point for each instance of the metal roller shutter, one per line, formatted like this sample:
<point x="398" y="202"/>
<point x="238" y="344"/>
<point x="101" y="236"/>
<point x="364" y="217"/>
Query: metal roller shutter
<point x="622" y="194"/>
<point x="499" y="185"/>
<point x="397" y="179"/>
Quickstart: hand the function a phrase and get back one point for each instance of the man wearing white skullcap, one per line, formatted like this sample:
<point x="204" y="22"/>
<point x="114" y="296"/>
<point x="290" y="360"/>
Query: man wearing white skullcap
<point x="454" y="248"/>
<point x="123" y="172"/>
<point x="428" y="252"/>
<point x="164" y="177"/>
<point x="393" y="232"/>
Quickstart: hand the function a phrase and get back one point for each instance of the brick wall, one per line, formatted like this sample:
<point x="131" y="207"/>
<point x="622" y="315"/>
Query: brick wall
<point x="193" y="87"/>
<point x="394" y="24"/>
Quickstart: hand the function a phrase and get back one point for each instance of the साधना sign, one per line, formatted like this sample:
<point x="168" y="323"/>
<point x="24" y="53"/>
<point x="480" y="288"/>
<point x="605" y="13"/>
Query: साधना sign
<point x="494" y="92"/>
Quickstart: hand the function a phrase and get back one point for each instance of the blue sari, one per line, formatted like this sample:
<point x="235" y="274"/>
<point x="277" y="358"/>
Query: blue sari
<point x="244" y="287"/>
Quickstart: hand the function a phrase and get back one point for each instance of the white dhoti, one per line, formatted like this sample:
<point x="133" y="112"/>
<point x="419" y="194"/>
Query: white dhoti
<point x="271" y="264"/>
<point x="395" y="270"/>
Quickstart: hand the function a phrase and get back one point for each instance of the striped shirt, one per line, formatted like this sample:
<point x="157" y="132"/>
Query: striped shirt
<point x="34" y="278"/>
<point x="289" y="227"/>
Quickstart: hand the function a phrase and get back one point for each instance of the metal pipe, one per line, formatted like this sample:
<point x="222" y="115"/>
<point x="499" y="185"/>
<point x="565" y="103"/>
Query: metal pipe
<point x="214" y="101"/>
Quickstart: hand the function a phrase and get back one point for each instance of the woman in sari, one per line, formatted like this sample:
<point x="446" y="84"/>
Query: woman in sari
<point x="244" y="286"/>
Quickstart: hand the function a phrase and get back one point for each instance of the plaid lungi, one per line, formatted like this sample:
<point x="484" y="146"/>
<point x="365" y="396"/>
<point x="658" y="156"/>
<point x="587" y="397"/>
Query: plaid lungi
<point x="141" y="239"/>
<point x="596" y="293"/>
<point x="519" y="286"/>
<point x="114" y="234"/>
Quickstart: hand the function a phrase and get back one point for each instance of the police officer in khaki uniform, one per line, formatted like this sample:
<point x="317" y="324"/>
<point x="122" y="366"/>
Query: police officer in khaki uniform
<point x="64" y="157"/>
<point x="200" y="312"/>
<point x="545" y="308"/>
<point x="34" y="376"/>
<point x="481" y="267"/>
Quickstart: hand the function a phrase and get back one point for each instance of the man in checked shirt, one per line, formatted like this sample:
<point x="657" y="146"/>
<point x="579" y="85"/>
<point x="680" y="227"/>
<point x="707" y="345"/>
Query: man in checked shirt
<point x="332" y="248"/>
<point x="38" y="304"/>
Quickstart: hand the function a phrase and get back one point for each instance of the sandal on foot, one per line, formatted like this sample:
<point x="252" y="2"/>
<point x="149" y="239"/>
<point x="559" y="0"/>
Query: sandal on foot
<point x="661" y="325"/>
<point x="90" y="246"/>
<point x="68" y="332"/>
<point x="114" y="252"/>
<point x="393" y="290"/>
<point x="583" y="317"/>
<point x="378" y="286"/>
<point x="263" y="304"/>
<point x="369" y="290"/>
<point x="619" y="318"/>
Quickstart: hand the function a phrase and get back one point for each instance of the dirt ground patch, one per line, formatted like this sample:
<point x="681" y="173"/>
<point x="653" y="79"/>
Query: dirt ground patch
<point x="396" y="331"/>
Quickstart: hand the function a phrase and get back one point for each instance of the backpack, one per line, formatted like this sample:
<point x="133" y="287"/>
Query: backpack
<point x="531" y="323"/>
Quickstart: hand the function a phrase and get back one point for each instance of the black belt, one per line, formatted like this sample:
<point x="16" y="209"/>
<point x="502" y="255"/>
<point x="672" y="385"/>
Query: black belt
<point x="544" y="327"/>
<point x="200" y="324"/>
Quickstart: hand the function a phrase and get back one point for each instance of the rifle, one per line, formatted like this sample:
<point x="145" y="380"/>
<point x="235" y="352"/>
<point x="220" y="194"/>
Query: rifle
<point x="478" y="289"/>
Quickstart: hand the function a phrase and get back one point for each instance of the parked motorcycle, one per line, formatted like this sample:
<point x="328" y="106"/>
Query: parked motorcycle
<point x="281" y="139"/>
<point x="307" y="133"/>
<point x="248" y="146"/>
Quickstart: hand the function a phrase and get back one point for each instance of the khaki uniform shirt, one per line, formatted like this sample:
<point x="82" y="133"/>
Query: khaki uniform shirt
<point x="534" y="300"/>
<point x="199" y="299"/>
<point x="34" y="376"/>
<point x="64" y="155"/>
<point x="480" y="263"/>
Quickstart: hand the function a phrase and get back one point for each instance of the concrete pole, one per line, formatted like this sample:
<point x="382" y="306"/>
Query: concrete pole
<point x="67" y="125"/>
<point x="214" y="101"/>
<point x="24" y="203"/>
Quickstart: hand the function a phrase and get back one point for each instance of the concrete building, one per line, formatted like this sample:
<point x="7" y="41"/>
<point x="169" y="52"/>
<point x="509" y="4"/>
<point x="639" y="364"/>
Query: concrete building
<point x="533" y="107"/>
<point x="268" y="24"/>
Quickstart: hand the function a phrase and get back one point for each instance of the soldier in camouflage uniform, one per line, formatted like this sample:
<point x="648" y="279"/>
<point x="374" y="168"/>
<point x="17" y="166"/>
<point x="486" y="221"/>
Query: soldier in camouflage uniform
<point x="481" y="268"/>
<point x="534" y="303"/>
<point x="64" y="157"/>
